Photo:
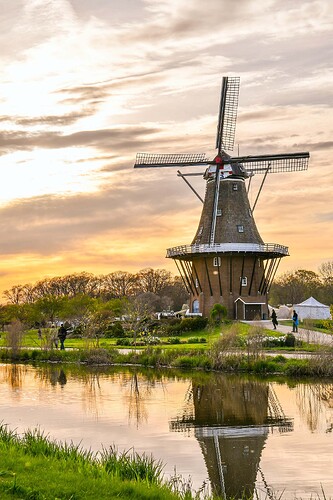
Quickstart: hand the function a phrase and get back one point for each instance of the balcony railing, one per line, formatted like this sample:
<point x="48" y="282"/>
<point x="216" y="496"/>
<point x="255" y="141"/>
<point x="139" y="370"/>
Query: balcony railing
<point x="265" y="248"/>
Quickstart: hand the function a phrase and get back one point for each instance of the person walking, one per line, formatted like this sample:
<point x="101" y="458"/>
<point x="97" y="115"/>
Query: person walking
<point x="62" y="334"/>
<point x="274" y="319"/>
<point x="295" y="321"/>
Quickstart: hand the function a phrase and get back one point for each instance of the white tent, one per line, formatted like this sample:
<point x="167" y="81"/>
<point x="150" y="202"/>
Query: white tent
<point x="283" y="312"/>
<point x="312" y="309"/>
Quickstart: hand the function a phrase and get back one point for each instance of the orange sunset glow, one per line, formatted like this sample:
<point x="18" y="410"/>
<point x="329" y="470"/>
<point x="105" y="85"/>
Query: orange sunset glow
<point x="85" y="85"/>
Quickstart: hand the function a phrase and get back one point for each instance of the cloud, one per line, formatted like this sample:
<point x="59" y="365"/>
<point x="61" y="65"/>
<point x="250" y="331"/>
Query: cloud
<point x="103" y="140"/>
<point x="86" y="85"/>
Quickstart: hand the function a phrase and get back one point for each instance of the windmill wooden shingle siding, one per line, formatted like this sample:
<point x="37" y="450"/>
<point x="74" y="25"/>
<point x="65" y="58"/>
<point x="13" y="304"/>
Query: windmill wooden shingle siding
<point x="227" y="261"/>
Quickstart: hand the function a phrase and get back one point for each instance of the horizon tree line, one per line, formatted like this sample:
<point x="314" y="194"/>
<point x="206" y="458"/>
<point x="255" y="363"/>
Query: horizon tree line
<point x="150" y="290"/>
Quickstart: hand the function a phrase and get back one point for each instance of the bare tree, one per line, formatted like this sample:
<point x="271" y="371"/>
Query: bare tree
<point x="153" y="280"/>
<point x="15" y="295"/>
<point x="118" y="284"/>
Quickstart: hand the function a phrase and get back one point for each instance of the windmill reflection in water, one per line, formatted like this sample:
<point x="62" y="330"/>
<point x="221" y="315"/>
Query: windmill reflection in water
<point x="231" y="419"/>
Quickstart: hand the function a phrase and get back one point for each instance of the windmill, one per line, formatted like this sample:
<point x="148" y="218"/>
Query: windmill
<point x="227" y="262"/>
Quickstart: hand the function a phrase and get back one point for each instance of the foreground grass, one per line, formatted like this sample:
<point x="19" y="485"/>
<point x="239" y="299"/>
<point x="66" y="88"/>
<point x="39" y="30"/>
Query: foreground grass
<point x="35" y="468"/>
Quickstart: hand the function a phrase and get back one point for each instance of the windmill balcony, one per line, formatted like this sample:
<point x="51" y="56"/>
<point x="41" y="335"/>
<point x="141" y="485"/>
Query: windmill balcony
<point x="264" y="250"/>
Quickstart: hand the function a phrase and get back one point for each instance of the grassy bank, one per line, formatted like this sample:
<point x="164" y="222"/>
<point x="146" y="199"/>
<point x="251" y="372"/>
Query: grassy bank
<point x="231" y="348"/>
<point x="216" y="358"/>
<point x="36" y="468"/>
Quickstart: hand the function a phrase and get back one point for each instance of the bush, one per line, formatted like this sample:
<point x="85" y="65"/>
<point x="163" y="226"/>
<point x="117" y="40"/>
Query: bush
<point x="77" y="332"/>
<point x="123" y="342"/>
<point x="290" y="340"/>
<point x="322" y="324"/>
<point x="196" y="340"/>
<point x="190" y="362"/>
<point x="193" y="340"/>
<point x="279" y="359"/>
<point x="187" y="325"/>
<point x="218" y="313"/>
<point x="174" y="340"/>
<point x="115" y="330"/>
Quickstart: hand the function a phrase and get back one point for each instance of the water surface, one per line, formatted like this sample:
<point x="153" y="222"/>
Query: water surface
<point x="233" y="433"/>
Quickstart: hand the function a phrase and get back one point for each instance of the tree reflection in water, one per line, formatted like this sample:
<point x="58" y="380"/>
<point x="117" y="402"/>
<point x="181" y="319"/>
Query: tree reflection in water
<point x="138" y="391"/>
<point x="13" y="375"/>
<point x="309" y="397"/>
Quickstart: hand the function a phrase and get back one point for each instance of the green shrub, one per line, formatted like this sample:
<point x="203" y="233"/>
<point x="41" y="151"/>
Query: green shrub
<point x="115" y="330"/>
<point x="322" y="324"/>
<point x="297" y="367"/>
<point x="192" y="361"/>
<point x="279" y="359"/>
<point x="218" y="313"/>
<point x="196" y="340"/>
<point x="290" y="340"/>
<point x="123" y="342"/>
<point x="187" y="325"/>
<point x="174" y="340"/>
<point x="185" y="362"/>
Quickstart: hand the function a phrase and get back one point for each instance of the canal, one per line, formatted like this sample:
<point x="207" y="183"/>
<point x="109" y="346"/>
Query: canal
<point x="231" y="433"/>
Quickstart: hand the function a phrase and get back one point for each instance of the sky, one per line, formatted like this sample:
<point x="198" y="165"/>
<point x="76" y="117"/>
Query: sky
<point x="85" y="85"/>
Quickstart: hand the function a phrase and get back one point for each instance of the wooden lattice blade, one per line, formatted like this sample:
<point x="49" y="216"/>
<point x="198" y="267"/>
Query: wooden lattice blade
<point x="151" y="160"/>
<point x="290" y="162"/>
<point x="226" y="124"/>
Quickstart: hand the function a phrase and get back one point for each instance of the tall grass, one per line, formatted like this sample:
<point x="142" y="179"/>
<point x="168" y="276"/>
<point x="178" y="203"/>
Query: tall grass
<point x="35" y="468"/>
<point x="131" y="466"/>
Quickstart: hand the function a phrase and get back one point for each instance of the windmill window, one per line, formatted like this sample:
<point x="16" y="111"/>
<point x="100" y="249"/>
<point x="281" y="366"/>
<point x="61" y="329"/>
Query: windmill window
<point x="217" y="261"/>
<point x="244" y="280"/>
<point x="195" y="306"/>
<point x="219" y="212"/>
<point x="234" y="186"/>
<point x="200" y="230"/>
<point x="240" y="229"/>
<point x="196" y="283"/>
<point x="250" y="212"/>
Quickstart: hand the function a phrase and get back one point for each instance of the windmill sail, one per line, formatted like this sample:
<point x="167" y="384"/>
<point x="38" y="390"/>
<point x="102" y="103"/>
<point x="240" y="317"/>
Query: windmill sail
<point x="226" y="124"/>
<point x="148" y="160"/>
<point x="291" y="162"/>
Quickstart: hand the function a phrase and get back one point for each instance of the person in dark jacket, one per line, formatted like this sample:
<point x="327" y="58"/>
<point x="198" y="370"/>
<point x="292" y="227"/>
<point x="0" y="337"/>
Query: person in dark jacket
<point x="295" y="321"/>
<point x="274" y="319"/>
<point x="62" y="334"/>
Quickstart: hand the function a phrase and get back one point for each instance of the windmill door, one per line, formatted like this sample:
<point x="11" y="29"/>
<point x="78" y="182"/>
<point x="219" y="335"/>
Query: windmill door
<point x="252" y="311"/>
